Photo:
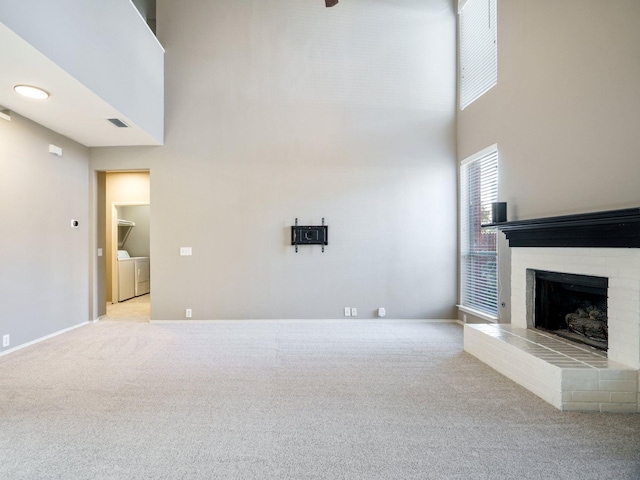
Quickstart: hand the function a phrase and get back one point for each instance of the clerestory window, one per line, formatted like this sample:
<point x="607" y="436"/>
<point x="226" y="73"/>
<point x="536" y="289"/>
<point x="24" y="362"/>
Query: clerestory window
<point x="478" y="48"/>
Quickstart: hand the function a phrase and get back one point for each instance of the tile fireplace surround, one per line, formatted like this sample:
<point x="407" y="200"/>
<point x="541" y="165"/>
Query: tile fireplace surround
<point x="568" y="375"/>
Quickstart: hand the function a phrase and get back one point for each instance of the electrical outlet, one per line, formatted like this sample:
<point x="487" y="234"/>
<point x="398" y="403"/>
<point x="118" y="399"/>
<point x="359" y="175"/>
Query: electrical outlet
<point x="381" y="312"/>
<point x="186" y="251"/>
<point x="188" y="313"/>
<point x="347" y="311"/>
<point x="6" y="340"/>
<point x="354" y="312"/>
<point x="464" y="317"/>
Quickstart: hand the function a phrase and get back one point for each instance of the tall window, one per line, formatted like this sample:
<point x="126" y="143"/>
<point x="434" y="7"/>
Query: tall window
<point x="478" y="254"/>
<point x="478" y="48"/>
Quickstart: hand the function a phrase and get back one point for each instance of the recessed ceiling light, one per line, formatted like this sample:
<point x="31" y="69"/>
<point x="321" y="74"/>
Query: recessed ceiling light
<point x="31" y="92"/>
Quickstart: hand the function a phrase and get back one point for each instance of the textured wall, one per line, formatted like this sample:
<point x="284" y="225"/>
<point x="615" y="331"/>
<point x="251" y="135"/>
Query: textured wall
<point x="285" y="109"/>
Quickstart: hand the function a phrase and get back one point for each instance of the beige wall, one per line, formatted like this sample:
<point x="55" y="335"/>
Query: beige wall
<point x="122" y="188"/>
<point x="565" y="112"/>
<point x="285" y="109"/>
<point x="44" y="263"/>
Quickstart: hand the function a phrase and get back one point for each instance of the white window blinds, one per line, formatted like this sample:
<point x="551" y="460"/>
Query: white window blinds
<point x="478" y="49"/>
<point x="478" y="252"/>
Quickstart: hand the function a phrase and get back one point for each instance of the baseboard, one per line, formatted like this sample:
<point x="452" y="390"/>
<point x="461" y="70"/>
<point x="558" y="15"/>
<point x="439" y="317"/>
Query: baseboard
<point x="301" y="320"/>
<point x="42" y="339"/>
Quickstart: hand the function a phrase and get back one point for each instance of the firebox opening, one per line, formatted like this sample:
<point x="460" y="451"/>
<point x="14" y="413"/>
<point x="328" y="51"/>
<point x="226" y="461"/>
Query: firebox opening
<point x="572" y="306"/>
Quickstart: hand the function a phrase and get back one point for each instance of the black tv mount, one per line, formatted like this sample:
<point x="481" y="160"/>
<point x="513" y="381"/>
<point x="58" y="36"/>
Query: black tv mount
<point x="309" y="235"/>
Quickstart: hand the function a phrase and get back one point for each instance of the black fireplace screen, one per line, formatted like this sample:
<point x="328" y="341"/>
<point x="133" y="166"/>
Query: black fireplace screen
<point x="572" y="306"/>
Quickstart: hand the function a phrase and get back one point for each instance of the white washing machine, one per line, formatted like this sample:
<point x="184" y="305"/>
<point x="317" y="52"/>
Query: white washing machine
<point x="126" y="279"/>
<point x="133" y="276"/>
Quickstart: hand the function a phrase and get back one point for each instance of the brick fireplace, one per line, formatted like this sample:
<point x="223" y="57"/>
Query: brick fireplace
<point x="571" y="376"/>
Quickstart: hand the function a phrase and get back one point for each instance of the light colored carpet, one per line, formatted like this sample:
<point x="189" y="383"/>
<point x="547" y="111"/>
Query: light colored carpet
<point x="288" y="400"/>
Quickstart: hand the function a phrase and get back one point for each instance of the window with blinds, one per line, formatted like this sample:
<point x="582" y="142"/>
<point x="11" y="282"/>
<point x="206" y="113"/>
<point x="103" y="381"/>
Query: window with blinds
<point x="478" y="48"/>
<point x="478" y="249"/>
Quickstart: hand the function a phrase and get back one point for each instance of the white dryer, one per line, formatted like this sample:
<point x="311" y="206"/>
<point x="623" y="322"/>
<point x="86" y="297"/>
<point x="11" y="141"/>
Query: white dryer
<point x="142" y="276"/>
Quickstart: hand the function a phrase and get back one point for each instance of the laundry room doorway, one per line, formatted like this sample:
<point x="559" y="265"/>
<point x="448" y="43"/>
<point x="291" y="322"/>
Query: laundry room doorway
<point x="127" y="242"/>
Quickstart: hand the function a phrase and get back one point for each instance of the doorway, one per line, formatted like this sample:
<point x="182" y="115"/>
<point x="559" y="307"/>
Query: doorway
<point x="124" y="195"/>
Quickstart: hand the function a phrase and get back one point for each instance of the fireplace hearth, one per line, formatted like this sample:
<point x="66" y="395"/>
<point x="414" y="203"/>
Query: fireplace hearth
<point x="604" y="247"/>
<point x="571" y="306"/>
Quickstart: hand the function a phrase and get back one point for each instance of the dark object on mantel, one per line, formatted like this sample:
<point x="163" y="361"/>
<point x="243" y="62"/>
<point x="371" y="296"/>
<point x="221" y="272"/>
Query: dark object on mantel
<point x="499" y="212"/>
<point x="610" y="229"/>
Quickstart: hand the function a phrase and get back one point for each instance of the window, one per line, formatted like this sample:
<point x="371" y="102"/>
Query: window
<point x="478" y="48"/>
<point x="478" y="252"/>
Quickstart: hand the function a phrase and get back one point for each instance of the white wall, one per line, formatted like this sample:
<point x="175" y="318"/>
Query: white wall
<point x="44" y="263"/>
<point x="285" y="109"/>
<point x="107" y="46"/>
<point x="565" y="112"/>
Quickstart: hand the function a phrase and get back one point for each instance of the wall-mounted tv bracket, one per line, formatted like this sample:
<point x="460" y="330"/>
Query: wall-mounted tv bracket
<point x="310" y="235"/>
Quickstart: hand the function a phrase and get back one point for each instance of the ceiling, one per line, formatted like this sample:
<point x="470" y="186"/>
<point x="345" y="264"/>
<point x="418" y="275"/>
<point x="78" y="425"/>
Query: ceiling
<point x="72" y="109"/>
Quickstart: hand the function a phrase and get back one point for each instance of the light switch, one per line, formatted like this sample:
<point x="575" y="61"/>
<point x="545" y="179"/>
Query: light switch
<point x="99" y="252"/>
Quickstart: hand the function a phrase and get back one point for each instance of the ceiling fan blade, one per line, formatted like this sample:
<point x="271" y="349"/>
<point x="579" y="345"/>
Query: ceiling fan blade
<point x="330" y="3"/>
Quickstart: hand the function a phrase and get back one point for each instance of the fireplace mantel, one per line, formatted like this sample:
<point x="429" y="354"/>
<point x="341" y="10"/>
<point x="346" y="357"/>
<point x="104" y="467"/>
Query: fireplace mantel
<point x="610" y="229"/>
